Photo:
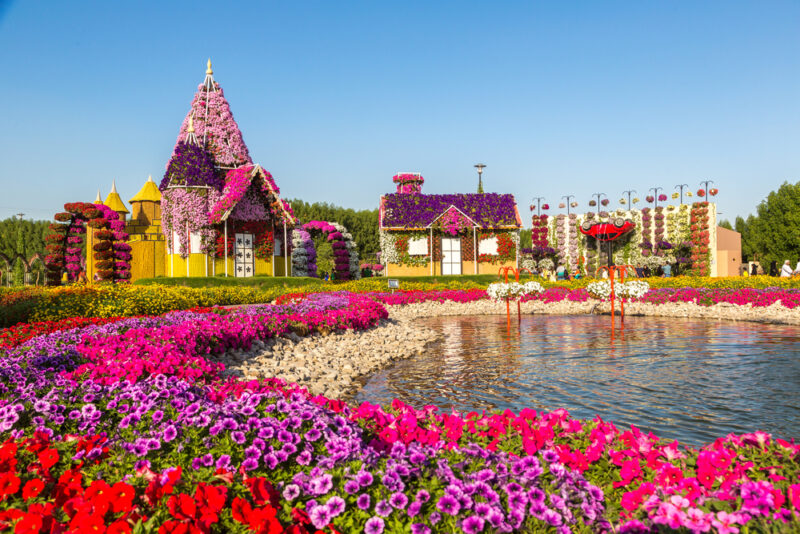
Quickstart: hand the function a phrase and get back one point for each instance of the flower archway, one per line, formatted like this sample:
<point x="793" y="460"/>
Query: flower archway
<point x="345" y="253"/>
<point x="64" y="243"/>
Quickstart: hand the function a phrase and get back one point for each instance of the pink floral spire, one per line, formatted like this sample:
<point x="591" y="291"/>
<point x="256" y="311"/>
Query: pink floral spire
<point x="214" y="126"/>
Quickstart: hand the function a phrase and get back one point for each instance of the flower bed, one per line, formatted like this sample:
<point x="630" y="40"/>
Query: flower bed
<point x="125" y="423"/>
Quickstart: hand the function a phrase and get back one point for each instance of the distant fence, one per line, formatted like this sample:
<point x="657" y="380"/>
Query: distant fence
<point x="31" y="277"/>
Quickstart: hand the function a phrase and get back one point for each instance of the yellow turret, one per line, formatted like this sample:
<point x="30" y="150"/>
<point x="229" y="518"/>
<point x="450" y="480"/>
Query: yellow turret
<point x="98" y="199"/>
<point x="148" y="192"/>
<point x="114" y="202"/>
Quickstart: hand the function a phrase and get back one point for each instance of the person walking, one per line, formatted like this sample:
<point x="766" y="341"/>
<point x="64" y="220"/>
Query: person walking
<point x="786" y="270"/>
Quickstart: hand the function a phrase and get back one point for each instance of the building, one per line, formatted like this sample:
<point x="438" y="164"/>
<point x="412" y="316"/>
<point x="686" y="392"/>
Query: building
<point x="472" y="233"/>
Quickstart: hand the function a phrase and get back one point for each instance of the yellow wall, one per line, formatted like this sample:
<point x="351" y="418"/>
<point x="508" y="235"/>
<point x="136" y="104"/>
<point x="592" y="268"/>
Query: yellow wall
<point x="197" y="266"/>
<point x="467" y="267"/>
<point x="148" y="258"/>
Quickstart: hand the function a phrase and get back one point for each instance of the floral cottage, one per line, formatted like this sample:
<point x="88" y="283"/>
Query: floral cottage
<point x="453" y="234"/>
<point x="215" y="211"/>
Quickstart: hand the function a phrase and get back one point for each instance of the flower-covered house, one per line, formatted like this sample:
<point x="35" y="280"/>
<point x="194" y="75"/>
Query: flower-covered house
<point x="220" y="212"/>
<point x="471" y="233"/>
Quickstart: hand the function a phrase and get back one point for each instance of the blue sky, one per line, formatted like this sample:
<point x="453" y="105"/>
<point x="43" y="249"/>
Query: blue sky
<point x="333" y="98"/>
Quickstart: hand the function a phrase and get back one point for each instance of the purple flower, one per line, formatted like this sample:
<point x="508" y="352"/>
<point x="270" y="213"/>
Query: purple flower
<point x="291" y="492"/>
<point x="320" y="516"/>
<point x="363" y="501"/>
<point x="383" y="508"/>
<point x="250" y="464"/>
<point x="351" y="486"/>
<point x="435" y="517"/>
<point x="550" y="456"/>
<point x="420" y="528"/>
<point x="448" y="504"/>
<point x="398" y="500"/>
<point x="414" y="508"/>
<point x="321" y="484"/>
<point x="169" y="434"/>
<point x="364" y="478"/>
<point x="304" y="458"/>
<point x="336" y="506"/>
<point x="374" y="525"/>
<point x="552" y="517"/>
<point x="472" y="524"/>
<point x="239" y="437"/>
<point x="158" y="415"/>
<point x="423" y="496"/>
<point x="224" y="461"/>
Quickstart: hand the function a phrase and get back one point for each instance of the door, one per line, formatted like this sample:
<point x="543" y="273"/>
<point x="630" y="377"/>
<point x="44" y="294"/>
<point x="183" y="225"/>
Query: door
<point x="451" y="255"/>
<point x="243" y="257"/>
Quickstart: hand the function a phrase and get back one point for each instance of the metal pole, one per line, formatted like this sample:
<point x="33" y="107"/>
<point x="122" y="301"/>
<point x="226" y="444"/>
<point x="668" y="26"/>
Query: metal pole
<point x="706" y="182"/>
<point x="431" y="250"/>
<point x="681" y="186"/>
<point x="189" y="252"/>
<point x="538" y="205"/>
<point x="628" y="192"/>
<point x="475" y="249"/>
<point x="285" y="252"/>
<point x="655" y="191"/>
<point x="226" y="248"/>
<point x="568" y="197"/>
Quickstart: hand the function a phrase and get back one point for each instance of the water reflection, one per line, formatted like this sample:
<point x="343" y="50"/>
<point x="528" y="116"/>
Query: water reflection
<point x="686" y="379"/>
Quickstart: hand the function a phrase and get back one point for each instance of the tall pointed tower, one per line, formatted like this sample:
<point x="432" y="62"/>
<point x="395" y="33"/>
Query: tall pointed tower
<point x="114" y="202"/>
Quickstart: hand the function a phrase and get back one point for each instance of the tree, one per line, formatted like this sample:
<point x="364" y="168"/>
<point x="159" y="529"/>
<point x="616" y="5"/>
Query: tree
<point x="362" y="224"/>
<point x="724" y="223"/>
<point x="774" y="234"/>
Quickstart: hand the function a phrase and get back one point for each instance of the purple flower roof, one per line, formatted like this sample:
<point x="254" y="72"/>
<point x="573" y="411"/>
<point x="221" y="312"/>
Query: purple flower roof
<point x="489" y="210"/>
<point x="191" y="165"/>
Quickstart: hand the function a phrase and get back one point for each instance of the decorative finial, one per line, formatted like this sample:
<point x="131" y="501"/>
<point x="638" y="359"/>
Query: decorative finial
<point x="98" y="200"/>
<point x="190" y="129"/>
<point x="114" y="187"/>
<point x="150" y="178"/>
<point x="208" y="70"/>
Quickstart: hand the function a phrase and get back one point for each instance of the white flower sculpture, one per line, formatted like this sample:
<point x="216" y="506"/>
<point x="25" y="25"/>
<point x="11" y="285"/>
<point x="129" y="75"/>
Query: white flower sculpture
<point x="633" y="289"/>
<point x="499" y="291"/>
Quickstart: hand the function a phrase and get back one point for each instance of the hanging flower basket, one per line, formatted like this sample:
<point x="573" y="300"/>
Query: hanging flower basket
<point x="713" y="192"/>
<point x="675" y="195"/>
<point x="592" y="203"/>
<point x="635" y="200"/>
<point x="604" y="202"/>
<point x="662" y="197"/>
<point x="650" y="198"/>
<point x="701" y="193"/>
<point x="574" y="204"/>
<point x="561" y="205"/>
<point x="545" y="207"/>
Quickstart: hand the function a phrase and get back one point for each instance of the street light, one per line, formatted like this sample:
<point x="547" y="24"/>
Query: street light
<point x="567" y="197"/>
<point x="480" y="167"/>
<point x="629" y="192"/>
<point x="20" y="215"/>
<point x="538" y="205"/>
<point x="598" y="195"/>
<point x="705" y="183"/>
<point x="655" y="191"/>
<point x="681" y="186"/>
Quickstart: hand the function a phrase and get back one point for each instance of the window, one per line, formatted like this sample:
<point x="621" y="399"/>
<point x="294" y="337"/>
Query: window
<point x="488" y="246"/>
<point x="277" y="248"/>
<point x="194" y="243"/>
<point x="418" y="246"/>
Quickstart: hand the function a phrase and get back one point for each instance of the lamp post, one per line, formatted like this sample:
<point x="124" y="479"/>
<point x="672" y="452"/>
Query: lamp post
<point x="629" y="192"/>
<point x="681" y="186"/>
<point x="538" y="201"/>
<point x="705" y="184"/>
<point x="655" y="191"/>
<point x="480" y="167"/>
<point x="597" y="196"/>
<point x="567" y="198"/>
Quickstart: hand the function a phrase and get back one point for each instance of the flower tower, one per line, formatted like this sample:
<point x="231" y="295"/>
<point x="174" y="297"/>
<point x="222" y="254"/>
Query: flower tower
<point x="408" y="183"/>
<point x="210" y="187"/>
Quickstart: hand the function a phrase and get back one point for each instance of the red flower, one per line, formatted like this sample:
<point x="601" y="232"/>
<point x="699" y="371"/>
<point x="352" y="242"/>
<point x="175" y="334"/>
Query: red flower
<point x="176" y="527"/>
<point x="32" y="488"/>
<point x="48" y="458"/>
<point x="29" y="524"/>
<point x="263" y="491"/>
<point x="9" y="484"/>
<point x="121" y="496"/>
<point x="119" y="527"/>
<point x="182" y="506"/>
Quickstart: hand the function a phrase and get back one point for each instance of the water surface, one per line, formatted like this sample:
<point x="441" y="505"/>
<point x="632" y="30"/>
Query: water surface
<point x="686" y="379"/>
